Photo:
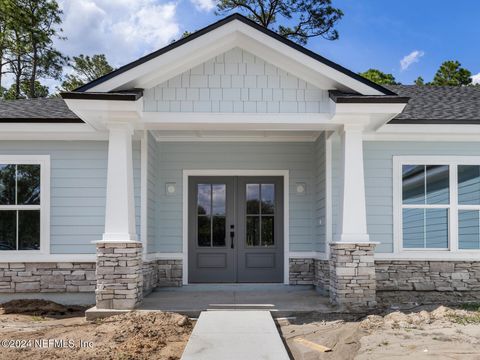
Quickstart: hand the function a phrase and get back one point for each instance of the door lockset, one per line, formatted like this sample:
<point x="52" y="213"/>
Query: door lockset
<point x="232" y="236"/>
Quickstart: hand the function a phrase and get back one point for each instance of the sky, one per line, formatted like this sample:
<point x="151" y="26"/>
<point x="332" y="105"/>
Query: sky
<point x="408" y="38"/>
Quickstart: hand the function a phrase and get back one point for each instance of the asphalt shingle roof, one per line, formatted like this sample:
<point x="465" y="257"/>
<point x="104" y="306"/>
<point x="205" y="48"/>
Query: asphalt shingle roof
<point x="427" y="105"/>
<point x="438" y="104"/>
<point x="37" y="110"/>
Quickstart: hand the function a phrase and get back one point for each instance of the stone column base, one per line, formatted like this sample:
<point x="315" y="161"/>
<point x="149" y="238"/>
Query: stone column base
<point x="352" y="275"/>
<point x="119" y="275"/>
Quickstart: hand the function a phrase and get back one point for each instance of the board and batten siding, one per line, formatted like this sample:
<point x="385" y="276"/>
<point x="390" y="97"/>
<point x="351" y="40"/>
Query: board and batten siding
<point x="378" y="166"/>
<point x="78" y="188"/>
<point x="236" y="81"/>
<point x="298" y="158"/>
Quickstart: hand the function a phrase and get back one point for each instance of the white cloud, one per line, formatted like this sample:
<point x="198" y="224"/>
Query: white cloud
<point x="123" y="30"/>
<point x="476" y="79"/>
<point x="204" y="5"/>
<point x="411" y="58"/>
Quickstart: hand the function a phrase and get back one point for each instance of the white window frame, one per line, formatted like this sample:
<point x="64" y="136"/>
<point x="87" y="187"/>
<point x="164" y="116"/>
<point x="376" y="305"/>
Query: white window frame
<point x="44" y="207"/>
<point x="452" y="162"/>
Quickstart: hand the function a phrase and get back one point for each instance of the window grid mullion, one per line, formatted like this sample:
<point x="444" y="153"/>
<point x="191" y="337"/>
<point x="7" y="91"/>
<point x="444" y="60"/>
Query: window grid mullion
<point x="16" y="204"/>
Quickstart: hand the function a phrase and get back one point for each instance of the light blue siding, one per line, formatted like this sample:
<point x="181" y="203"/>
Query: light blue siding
<point x="152" y="170"/>
<point x="378" y="164"/>
<point x="298" y="158"/>
<point x="320" y="204"/>
<point x="78" y="186"/>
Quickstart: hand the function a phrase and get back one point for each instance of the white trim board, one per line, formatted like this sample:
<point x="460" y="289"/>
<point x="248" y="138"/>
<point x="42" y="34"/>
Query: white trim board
<point x="44" y="207"/>
<point x="286" y="210"/>
<point x="452" y="251"/>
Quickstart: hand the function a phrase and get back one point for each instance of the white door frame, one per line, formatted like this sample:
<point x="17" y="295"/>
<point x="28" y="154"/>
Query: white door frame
<point x="286" y="212"/>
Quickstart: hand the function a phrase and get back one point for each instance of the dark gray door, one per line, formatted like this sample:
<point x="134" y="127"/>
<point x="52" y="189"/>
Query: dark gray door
<point x="211" y="257"/>
<point x="260" y="229"/>
<point x="235" y="229"/>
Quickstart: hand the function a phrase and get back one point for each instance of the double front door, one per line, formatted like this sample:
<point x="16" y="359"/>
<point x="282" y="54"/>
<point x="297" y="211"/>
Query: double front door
<point x="235" y="229"/>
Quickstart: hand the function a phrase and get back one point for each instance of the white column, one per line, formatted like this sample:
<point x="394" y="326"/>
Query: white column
<point x="120" y="206"/>
<point x="353" y="218"/>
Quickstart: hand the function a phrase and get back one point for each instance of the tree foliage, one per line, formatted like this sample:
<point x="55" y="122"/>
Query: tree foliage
<point x="300" y="19"/>
<point x="27" y="44"/>
<point x="86" y="69"/>
<point x="451" y="73"/>
<point x="419" y="81"/>
<point x="379" y="77"/>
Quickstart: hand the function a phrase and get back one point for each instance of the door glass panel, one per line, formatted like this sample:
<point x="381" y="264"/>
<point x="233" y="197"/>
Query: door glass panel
<point x="260" y="214"/>
<point x="253" y="199"/>
<point x="267" y="230"/>
<point x="204" y="234"/>
<point x="219" y="194"/>
<point x="204" y="203"/>
<point x="211" y="214"/>
<point x="218" y="230"/>
<point x="268" y="198"/>
<point x="253" y="231"/>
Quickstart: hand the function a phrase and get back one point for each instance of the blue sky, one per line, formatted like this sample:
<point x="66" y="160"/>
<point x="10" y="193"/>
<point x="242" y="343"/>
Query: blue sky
<point x="373" y="33"/>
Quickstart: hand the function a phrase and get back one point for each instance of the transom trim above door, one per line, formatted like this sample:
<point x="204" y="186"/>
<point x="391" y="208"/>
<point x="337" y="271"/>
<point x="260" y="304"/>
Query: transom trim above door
<point x="267" y="228"/>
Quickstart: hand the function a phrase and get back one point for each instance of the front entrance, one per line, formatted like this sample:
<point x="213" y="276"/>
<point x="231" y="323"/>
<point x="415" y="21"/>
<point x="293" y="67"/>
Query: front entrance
<point x="235" y="229"/>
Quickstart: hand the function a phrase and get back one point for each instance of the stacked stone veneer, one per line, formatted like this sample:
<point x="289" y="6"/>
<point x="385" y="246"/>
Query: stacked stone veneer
<point x="119" y="275"/>
<point x="302" y="271"/>
<point x="352" y="275"/>
<point x="47" y="277"/>
<point x="161" y="273"/>
<point x="322" y="276"/>
<point x="428" y="275"/>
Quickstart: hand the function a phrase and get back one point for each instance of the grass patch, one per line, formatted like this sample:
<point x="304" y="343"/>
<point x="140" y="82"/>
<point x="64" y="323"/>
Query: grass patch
<point x="473" y="306"/>
<point x="465" y="319"/>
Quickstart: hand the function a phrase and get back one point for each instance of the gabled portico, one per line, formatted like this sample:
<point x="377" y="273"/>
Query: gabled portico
<point x="234" y="83"/>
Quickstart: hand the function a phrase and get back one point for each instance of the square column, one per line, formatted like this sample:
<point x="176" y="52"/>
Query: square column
<point x="119" y="254"/>
<point x="352" y="266"/>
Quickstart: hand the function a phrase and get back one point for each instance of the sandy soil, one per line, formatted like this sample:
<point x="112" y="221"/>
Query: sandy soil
<point x="422" y="333"/>
<point x="137" y="335"/>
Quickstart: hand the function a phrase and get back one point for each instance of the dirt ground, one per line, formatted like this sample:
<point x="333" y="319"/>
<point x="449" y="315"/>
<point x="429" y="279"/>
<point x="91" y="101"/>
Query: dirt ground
<point x="423" y="332"/>
<point x="44" y="330"/>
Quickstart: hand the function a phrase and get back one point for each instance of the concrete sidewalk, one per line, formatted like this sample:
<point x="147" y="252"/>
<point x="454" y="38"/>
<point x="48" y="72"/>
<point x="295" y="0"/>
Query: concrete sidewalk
<point x="235" y="335"/>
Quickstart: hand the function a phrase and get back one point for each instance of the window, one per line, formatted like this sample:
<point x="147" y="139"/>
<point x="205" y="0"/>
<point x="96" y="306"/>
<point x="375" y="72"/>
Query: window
<point x="437" y="203"/>
<point x="23" y="201"/>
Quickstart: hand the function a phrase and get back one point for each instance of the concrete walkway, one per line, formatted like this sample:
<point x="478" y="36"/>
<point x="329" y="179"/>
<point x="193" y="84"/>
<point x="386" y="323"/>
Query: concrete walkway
<point x="235" y="335"/>
<point x="282" y="300"/>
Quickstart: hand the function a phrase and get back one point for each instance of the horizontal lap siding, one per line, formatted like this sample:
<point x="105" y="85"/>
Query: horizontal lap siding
<point x="78" y="187"/>
<point x="152" y="168"/>
<point x="319" y="219"/>
<point x="173" y="158"/>
<point x="378" y="163"/>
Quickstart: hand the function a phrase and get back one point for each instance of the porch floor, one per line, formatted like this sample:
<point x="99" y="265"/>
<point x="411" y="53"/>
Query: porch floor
<point x="281" y="300"/>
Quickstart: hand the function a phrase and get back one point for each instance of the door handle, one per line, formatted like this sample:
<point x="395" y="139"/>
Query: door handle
<point x="232" y="236"/>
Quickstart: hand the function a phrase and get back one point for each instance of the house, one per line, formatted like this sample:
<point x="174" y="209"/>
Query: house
<point x="234" y="155"/>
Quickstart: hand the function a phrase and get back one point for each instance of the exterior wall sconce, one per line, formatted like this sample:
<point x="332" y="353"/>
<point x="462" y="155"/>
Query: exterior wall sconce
<point x="301" y="188"/>
<point x="170" y="188"/>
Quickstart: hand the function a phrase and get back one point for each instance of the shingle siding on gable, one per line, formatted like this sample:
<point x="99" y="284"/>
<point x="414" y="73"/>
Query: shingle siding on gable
<point x="236" y="81"/>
